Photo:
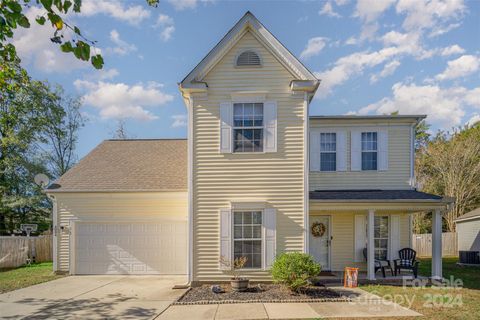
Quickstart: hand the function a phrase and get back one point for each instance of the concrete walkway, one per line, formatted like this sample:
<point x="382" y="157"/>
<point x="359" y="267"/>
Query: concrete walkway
<point x="93" y="297"/>
<point x="363" y="305"/>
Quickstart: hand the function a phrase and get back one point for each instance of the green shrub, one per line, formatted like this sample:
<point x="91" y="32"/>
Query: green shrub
<point x="294" y="269"/>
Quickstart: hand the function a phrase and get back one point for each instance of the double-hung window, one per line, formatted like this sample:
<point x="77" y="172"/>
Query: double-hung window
<point x="248" y="127"/>
<point x="247" y="237"/>
<point x="328" y="151"/>
<point x="380" y="237"/>
<point x="369" y="151"/>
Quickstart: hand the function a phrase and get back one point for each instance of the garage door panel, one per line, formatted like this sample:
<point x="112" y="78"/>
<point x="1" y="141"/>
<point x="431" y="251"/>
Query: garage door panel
<point x="131" y="248"/>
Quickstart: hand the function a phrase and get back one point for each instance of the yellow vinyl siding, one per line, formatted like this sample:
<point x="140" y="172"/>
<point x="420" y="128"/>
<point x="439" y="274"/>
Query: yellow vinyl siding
<point x="396" y="177"/>
<point x="114" y="207"/>
<point x="273" y="178"/>
<point x="343" y="233"/>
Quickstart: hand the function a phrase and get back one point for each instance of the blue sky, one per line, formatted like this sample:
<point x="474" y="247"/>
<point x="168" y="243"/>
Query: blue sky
<point x="373" y="57"/>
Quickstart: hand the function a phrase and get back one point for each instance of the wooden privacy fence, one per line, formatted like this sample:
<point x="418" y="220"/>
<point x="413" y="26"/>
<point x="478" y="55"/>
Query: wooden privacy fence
<point x="14" y="251"/>
<point x="422" y="243"/>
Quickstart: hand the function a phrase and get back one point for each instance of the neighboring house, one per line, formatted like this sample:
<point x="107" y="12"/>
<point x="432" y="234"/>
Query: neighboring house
<point x="468" y="231"/>
<point x="260" y="173"/>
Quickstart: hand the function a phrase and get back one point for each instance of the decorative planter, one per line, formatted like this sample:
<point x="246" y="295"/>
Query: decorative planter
<point x="239" y="285"/>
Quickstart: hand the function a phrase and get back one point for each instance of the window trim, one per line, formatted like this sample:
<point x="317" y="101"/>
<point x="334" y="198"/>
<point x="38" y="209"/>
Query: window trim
<point x="328" y="152"/>
<point x="253" y="127"/>
<point x="376" y="151"/>
<point x="262" y="244"/>
<point x="240" y="51"/>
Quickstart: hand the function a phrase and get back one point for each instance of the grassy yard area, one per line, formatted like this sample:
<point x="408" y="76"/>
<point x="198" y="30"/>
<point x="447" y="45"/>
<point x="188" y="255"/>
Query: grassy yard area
<point x="436" y="303"/>
<point x="12" y="279"/>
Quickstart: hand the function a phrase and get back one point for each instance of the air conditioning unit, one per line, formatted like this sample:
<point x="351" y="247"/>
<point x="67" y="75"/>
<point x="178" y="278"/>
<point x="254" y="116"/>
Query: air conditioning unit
<point x="469" y="257"/>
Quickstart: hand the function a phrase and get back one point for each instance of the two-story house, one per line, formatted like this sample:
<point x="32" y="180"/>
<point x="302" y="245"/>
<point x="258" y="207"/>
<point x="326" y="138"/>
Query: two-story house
<point x="257" y="176"/>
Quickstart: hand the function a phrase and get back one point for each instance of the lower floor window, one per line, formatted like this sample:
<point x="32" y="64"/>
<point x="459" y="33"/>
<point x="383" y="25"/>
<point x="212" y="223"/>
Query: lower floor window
<point x="380" y="236"/>
<point x="247" y="237"/>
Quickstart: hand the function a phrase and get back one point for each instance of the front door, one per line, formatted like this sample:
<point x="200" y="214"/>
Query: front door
<point x="320" y="240"/>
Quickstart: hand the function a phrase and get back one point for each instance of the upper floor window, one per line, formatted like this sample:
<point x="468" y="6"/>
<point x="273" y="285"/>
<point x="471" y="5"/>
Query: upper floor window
<point x="248" y="58"/>
<point x="248" y="127"/>
<point x="369" y="151"/>
<point x="328" y="151"/>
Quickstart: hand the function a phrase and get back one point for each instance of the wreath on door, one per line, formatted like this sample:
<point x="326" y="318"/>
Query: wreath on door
<point x="318" y="229"/>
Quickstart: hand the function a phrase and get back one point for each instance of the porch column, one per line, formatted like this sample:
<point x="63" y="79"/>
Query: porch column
<point x="437" y="244"/>
<point x="370" y="245"/>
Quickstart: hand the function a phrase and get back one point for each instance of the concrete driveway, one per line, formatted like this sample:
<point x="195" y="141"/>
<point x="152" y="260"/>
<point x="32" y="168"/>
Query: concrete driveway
<point x="93" y="297"/>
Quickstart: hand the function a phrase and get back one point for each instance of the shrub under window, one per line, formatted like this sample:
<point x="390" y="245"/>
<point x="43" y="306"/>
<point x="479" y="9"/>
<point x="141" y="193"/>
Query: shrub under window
<point x="294" y="269"/>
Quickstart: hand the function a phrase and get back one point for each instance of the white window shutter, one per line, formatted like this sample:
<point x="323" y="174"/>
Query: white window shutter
<point x="341" y="151"/>
<point x="360" y="237"/>
<point x="356" y="151"/>
<point x="270" y="226"/>
<point x="225" y="237"/>
<point x="270" y="124"/>
<point x="314" y="151"/>
<point x="383" y="150"/>
<point x="394" y="243"/>
<point x="226" y="123"/>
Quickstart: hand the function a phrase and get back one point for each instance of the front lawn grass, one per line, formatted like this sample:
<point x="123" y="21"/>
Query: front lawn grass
<point x="25" y="276"/>
<point x="436" y="303"/>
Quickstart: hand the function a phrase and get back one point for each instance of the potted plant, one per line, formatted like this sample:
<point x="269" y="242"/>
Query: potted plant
<point x="237" y="282"/>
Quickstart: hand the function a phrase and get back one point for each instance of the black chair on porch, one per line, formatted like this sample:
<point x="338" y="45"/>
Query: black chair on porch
<point x="379" y="264"/>
<point x="407" y="261"/>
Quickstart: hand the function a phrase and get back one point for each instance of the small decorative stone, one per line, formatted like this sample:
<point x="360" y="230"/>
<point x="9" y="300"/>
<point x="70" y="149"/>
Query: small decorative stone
<point x="217" y="289"/>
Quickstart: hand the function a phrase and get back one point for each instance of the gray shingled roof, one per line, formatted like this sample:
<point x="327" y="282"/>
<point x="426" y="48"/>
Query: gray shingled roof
<point x="470" y="215"/>
<point x="128" y="165"/>
<point x="372" y="195"/>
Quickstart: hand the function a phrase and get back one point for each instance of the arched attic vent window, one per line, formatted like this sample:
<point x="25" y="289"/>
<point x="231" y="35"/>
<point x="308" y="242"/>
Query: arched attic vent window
<point x="248" y="59"/>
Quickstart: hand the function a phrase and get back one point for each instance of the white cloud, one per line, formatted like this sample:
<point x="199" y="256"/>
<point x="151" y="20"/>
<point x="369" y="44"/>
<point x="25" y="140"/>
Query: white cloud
<point x="122" y="47"/>
<point x="461" y="67"/>
<point x="439" y="30"/>
<point x="132" y="14"/>
<point x="445" y="107"/>
<point x="429" y="13"/>
<point x="327" y="10"/>
<point x="473" y="120"/>
<point x="166" y="23"/>
<point x="369" y="10"/>
<point x="122" y="101"/>
<point x="351" y="41"/>
<point x="451" y="50"/>
<point x="472" y="97"/>
<point x="388" y="69"/>
<point x="179" y="120"/>
<point x="314" y="47"/>
<point x="34" y="47"/>
<point x="351" y="65"/>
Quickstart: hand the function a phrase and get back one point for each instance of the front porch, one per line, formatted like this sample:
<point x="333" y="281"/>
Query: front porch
<point x="365" y="226"/>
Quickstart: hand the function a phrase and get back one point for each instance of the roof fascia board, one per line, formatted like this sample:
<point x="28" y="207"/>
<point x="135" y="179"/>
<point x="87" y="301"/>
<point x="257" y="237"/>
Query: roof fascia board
<point x="467" y="219"/>
<point x="249" y="23"/>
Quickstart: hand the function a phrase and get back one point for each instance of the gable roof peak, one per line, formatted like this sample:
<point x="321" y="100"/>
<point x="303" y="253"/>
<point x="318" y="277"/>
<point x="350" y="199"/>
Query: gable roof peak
<point x="248" y="22"/>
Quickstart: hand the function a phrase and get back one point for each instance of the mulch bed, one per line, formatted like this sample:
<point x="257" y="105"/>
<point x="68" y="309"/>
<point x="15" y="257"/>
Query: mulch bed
<point x="267" y="293"/>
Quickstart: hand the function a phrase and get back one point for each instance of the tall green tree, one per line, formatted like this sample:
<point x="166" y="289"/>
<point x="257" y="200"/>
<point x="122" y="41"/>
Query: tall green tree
<point x="450" y="165"/>
<point x="60" y="136"/>
<point x="33" y="118"/>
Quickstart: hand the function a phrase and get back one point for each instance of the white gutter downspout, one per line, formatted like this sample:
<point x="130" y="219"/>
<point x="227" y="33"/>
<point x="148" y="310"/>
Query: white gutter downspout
<point x="412" y="156"/>
<point x="306" y="171"/>
<point x="190" y="190"/>
<point x="54" y="232"/>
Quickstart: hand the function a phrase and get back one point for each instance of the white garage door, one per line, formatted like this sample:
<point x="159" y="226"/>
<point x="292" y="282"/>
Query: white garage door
<point x="131" y="248"/>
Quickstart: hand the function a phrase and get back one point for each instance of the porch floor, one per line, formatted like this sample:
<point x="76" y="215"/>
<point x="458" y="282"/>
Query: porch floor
<point x="337" y="278"/>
